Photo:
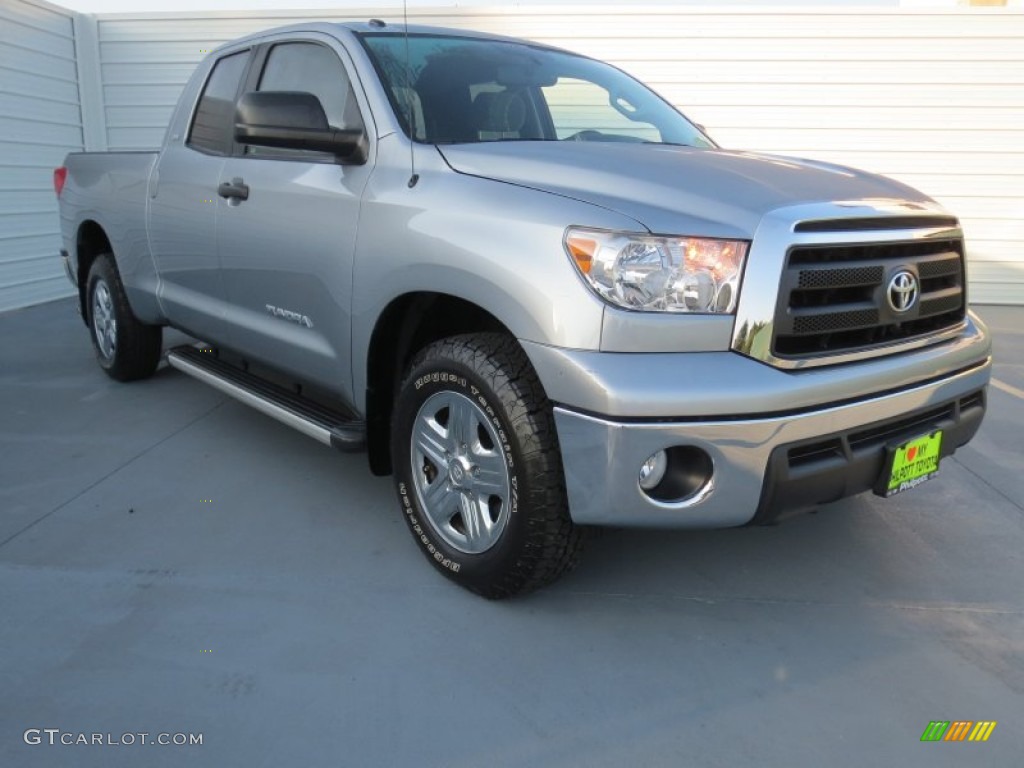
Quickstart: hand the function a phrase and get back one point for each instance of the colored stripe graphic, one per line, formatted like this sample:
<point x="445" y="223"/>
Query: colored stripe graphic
<point x="958" y="730"/>
<point x="983" y="730"/>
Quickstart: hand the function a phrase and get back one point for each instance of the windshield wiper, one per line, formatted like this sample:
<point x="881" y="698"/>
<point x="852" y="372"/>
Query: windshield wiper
<point x="672" y="144"/>
<point x="488" y="141"/>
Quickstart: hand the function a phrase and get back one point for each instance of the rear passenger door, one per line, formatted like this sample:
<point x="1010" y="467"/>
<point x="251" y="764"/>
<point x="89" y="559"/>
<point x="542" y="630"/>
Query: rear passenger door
<point x="286" y="251"/>
<point x="182" y="211"/>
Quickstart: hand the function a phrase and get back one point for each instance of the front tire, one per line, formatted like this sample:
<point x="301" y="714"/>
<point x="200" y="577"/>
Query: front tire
<point x="478" y="468"/>
<point x="126" y="348"/>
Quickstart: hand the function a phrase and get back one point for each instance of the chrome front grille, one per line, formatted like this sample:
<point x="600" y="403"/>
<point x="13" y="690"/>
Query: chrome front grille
<point x="833" y="298"/>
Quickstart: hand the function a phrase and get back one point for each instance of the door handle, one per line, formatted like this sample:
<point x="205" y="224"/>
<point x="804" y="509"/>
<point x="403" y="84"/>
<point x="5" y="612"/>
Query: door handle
<point x="235" y="189"/>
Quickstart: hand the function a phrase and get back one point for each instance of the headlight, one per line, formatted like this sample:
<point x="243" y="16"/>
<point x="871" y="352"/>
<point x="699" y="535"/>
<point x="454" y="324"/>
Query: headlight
<point x="659" y="274"/>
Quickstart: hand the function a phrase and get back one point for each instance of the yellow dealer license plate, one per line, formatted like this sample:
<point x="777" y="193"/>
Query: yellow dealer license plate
<point x="911" y="463"/>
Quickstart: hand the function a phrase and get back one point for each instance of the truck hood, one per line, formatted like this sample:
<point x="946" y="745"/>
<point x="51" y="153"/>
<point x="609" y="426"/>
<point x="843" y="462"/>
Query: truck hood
<point x="671" y="189"/>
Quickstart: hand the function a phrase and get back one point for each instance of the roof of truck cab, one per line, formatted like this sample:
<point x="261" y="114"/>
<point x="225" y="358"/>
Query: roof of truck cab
<point x="366" y="27"/>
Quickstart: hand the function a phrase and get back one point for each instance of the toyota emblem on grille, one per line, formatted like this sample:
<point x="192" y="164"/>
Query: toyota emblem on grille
<point x="902" y="290"/>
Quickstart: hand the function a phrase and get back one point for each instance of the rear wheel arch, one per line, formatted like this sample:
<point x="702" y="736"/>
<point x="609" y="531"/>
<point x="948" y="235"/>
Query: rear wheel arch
<point x="90" y="243"/>
<point x="407" y="325"/>
<point x="126" y="348"/>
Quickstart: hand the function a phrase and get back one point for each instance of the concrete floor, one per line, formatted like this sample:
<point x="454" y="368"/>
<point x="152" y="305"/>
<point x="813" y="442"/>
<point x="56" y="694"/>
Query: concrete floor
<point x="171" y="561"/>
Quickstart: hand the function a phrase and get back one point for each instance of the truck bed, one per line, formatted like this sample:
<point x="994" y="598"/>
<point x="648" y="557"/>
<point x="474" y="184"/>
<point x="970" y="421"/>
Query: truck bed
<point x="110" y="189"/>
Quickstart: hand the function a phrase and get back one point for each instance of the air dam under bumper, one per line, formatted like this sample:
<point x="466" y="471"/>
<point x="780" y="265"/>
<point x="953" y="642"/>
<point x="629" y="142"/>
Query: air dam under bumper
<point x="762" y="466"/>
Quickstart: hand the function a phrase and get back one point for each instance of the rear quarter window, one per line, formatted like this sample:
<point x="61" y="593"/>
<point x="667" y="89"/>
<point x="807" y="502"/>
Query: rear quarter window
<point x="211" y="124"/>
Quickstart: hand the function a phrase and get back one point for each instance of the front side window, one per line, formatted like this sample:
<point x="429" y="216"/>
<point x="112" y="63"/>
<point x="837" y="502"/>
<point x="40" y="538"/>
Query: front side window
<point x="215" y="112"/>
<point x="457" y="89"/>
<point x="314" y="69"/>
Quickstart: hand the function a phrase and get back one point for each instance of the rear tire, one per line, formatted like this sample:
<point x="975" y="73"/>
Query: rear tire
<point x="478" y="467"/>
<point x="126" y="348"/>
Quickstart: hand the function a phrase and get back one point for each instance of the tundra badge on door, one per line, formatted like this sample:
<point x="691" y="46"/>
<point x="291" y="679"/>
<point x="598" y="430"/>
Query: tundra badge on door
<point x="287" y="314"/>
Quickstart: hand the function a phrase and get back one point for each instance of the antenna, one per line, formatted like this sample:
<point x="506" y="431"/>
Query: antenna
<point x="409" y="93"/>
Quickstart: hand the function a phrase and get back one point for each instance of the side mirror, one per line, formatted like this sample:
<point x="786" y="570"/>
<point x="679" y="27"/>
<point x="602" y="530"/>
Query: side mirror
<point x="294" y="120"/>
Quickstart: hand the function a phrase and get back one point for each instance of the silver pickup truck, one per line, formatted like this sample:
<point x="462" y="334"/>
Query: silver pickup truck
<point x="530" y="289"/>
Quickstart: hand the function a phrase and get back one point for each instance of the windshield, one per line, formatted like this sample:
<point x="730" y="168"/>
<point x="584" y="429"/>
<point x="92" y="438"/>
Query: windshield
<point x="464" y="90"/>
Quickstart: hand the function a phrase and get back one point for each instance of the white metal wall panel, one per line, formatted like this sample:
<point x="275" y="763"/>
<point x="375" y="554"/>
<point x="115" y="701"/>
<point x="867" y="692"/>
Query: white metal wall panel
<point x="40" y="122"/>
<point x="933" y="97"/>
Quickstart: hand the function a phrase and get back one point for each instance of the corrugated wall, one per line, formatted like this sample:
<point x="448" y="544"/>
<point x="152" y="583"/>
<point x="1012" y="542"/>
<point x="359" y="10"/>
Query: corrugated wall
<point x="40" y="121"/>
<point x="933" y="97"/>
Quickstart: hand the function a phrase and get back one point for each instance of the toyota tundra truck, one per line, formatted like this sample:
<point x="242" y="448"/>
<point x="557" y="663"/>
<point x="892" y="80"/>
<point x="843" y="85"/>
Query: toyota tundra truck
<point x="530" y="289"/>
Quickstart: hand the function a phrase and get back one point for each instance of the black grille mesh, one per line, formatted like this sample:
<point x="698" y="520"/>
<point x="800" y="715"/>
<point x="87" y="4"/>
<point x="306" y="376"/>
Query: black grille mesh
<point x="835" y="321"/>
<point x="941" y="305"/>
<point x="938" y="268"/>
<point x="837" y="278"/>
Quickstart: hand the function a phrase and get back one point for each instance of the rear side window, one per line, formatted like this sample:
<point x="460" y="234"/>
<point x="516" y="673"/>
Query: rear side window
<point x="211" y="126"/>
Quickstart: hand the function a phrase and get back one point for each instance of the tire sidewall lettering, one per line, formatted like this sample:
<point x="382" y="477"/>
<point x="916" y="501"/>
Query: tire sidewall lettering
<point x="407" y="508"/>
<point x="440" y="377"/>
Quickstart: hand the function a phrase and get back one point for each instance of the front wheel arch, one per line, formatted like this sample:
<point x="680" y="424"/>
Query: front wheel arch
<point x="507" y="452"/>
<point x="408" y="324"/>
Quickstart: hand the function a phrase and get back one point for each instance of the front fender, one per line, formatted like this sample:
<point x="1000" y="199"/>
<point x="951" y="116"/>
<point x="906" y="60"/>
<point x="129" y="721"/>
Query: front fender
<point x="496" y="245"/>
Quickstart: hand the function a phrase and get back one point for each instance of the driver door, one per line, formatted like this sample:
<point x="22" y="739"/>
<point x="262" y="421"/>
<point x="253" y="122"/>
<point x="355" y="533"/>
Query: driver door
<point x="286" y="250"/>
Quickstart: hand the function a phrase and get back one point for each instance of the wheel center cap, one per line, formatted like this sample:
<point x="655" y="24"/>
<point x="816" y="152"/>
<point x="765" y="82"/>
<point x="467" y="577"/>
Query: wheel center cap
<point x="459" y="472"/>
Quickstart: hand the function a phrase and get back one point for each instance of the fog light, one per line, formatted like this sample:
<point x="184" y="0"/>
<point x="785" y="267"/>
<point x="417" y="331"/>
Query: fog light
<point x="652" y="471"/>
<point x="680" y="475"/>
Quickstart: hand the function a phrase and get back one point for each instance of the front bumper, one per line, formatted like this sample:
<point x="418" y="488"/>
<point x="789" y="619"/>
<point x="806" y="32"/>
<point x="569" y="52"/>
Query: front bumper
<point x="763" y="466"/>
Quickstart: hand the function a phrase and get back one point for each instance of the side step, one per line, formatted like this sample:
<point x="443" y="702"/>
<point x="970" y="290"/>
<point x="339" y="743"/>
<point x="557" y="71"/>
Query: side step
<point x="330" y="427"/>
